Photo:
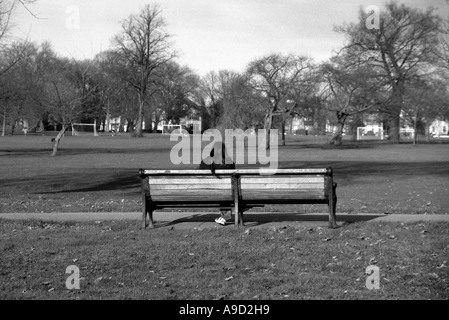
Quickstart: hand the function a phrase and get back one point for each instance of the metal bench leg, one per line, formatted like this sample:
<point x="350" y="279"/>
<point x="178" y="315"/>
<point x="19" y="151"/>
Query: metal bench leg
<point x="238" y="215"/>
<point x="144" y="210"/>
<point x="150" y="219"/>
<point x="241" y="223"/>
<point x="147" y="210"/>
<point x="237" y="204"/>
<point x="333" y="207"/>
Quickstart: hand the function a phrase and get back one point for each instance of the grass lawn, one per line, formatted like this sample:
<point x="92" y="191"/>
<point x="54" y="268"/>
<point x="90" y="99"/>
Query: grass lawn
<point x="118" y="260"/>
<point x="100" y="173"/>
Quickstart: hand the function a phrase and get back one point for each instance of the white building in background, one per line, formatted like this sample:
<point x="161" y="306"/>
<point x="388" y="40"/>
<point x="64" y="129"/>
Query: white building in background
<point x="439" y="128"/>
<point x="295" y="124"/>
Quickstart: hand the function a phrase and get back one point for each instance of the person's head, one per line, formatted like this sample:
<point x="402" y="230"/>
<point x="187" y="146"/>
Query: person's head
<point x="223" y="152"/>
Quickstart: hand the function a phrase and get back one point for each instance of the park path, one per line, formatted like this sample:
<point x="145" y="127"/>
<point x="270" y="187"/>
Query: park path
<point x="186" y="220"/>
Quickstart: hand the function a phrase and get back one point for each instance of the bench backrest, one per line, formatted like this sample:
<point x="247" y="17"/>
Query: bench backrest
<point x="282" y="187"/>
<point x="190" y="189"/>
<point x="200" y="186"/>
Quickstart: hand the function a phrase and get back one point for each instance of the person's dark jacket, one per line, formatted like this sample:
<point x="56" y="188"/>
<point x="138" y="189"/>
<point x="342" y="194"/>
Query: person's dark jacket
<point x="217" y="166"/>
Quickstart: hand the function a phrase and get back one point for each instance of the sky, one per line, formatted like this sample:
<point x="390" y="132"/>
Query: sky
<point x="207" y="34"/>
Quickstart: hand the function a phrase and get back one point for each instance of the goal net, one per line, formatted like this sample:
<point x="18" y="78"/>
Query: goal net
<point x="172" y="128"/>
<point x="370" y="133"/>
<point x="84" y="129"/>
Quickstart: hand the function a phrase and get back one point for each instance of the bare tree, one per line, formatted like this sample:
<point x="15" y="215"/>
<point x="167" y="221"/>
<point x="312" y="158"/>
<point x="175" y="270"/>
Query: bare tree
<point x="7" y="8"/>
<point x="213" y="86"/>
<point x="242" y="107"/>
<point x="350" y="92"/>
<point x="176" y="88"/>
<point x="67" y="89"/>
<point x="16" y="87"/>
<point x="403" y="45"/>
<point x="274" y="77"/>
<point x="145" y="45"/>
<point x="426" y="99"/>
<point x="113" y="90"/>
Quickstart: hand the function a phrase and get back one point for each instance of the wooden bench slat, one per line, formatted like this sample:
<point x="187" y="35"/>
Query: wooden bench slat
<point x="292" y="186"/>
<point x="191" y="192"/>
<point x="264" y="171"/>
<point x="281" y="179"/>
<point x="195" y="180"/>
<point x="190" y="186"/>
<point x="249" y="195"/>
<point x="176" y="198"/>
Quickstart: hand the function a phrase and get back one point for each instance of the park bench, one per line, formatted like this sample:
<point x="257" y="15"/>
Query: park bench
<point x="237" y="189"/>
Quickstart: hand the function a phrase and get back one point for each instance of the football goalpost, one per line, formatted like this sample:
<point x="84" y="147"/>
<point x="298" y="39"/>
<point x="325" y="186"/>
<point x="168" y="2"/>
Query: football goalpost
<point x="370" y="133"/>
<point x="84" y="129"/>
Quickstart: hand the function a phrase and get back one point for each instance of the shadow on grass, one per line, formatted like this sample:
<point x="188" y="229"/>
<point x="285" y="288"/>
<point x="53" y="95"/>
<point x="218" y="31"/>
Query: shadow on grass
<point x="32" y="152"/>
<point x="255" y="219"/>
<point x="345" y="173"/>
<point x="326" y="146"/>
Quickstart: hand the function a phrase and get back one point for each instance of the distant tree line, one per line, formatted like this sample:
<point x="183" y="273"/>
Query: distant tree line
<point x="399" y="69"/>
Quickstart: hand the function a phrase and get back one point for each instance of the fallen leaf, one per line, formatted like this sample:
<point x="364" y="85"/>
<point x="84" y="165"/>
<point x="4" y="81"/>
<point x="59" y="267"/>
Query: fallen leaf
<point x="98" y="280"/>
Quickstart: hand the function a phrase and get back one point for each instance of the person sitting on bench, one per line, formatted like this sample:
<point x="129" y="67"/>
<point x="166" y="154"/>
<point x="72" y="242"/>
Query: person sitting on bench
<point x="225" y="214"/>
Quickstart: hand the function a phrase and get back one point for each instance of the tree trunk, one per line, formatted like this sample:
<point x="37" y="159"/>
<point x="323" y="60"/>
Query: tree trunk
<point x="283" y="132"/>
<point x="4" y="123"/>
<point x="138" y="132"/>
<point x="394" y="128"/>
<point x="337" y="139"/>
<point x="156" y="122"/>
<point x="427" y="130"/>
<point x="13" y="127"/>
<point x="267" y="127"/>
<point x="121" y="127"/>
<point x="415" y="131"/>
<point x="395" y="112"/>
<point x="108" y="118"/>
<point x="57" y="139"/>
<point x="130" y="126"/>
